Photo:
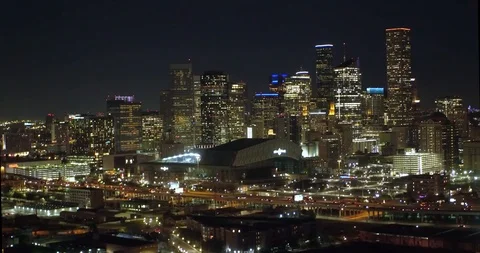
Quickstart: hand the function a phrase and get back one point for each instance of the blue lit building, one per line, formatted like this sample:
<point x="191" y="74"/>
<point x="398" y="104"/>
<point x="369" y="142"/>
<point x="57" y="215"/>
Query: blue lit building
<point x="375" y="105"/>
<point x="277" y="82"/>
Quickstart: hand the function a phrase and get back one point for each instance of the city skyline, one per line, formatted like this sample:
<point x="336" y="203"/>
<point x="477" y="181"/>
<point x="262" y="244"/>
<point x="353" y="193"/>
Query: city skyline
<point x="65" y="69"/>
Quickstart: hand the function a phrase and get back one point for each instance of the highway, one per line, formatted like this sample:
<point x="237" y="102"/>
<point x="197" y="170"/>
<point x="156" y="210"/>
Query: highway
<point x="280" y="198"/>
<point x="313" y="203"/>
<point x="182" y="246"/>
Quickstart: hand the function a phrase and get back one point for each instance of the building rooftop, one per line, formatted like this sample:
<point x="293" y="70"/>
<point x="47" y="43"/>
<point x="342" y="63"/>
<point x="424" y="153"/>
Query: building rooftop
<point x="254" y="223"/>
<point x="377" y="248"/>
<point x="239" y="144"/>
<point x="431" y="232"/>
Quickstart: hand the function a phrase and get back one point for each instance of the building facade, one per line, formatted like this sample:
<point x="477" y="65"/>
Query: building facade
<point x="214" y="100"/>
<point x="79" y="129"/>
<point x="102" y="137"/>
<point x="325" y="76"/>
<point x="127" y="116"/>
<point x="471" y="156"/>
<point x="400" y="95"/>
<point x="455" y="111"/>
<point x="152" y="126"/>
<point x="437" y="134"/>
<point x="374" y="106"/>
<point x="265" y="111"/>
<point x="165" y="113"/>
<point x="414" y="163"/>
<point x="237" y="110"/>
<point x="183" y="106"/>
<point x="348" y="97"/>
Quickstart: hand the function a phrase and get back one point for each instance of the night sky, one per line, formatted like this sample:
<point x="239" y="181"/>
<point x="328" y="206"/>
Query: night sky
<point x="67" y="56"/>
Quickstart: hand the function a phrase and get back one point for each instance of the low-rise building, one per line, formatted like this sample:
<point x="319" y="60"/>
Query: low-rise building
<point x="85" y="197"/>
<point x="414" y="163"/>
<point x="426" y="185"/>
<point x="471" y="156"/>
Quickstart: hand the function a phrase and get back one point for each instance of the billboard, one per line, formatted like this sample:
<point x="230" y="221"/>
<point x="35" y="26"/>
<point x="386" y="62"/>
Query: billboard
<point x="298" y="198"/>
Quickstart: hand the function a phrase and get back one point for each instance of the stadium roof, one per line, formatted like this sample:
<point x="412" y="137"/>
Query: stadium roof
<point x="239" y="144"/>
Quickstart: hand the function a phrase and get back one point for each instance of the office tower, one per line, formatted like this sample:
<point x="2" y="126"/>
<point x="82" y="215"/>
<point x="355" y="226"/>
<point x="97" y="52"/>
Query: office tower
<point x="297" y="93"/>
<point x="102" y="139"/>
<point x="79" y="130"/>
<point x="17" y="139"/>
<point x="329" y="151"/>
<point x="236" y="110"/>
<point x="165" y="113"/>
<point x="289" y="127"/>
<point x="318" y="121"/>
<point x="471" y="156"/>
<point x="297" y="101"/>
<point x="437" y="135"/>
<point x="277" y="82"/>
<point x="265" y="111"/>
<point x="325" y="75"/>
<point x="374" y="106"/>
<point x="183" y="106"/>
<point x="151" y="130"/>
<point x="214" y="88"/>
<point x="415" y="97"/>
<point x="399" y="77"/>
<point x="473" y="116"/>
<point x="348" y="97"/>
<point x="453" y="108"/>
<point x="197" y="114"/>
<point x="127" y="117"/>
<point x="50" y="126"/>
<point x="61" y="134"/>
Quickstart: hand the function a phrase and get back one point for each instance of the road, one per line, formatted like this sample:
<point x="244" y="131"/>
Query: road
<point x="183" y="246"/>
<point x="254" y="198"/>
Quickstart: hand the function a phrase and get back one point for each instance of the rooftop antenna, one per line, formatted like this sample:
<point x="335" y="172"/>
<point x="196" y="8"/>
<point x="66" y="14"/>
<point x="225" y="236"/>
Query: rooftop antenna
<point x="344" y="52"/>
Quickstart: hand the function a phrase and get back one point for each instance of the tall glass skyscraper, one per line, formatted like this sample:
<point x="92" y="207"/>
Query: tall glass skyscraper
<point x="400" y="93"/>
<point x="181" y="78"/>
<point x="197" y="114"/>
<point x="214" y="100"/>
<point x="265" y="111"/>
<point x="325" y="75"/>
<point x="348" y="97"/>
<point x="236" y="109"/>
<point x="127" y="117"/>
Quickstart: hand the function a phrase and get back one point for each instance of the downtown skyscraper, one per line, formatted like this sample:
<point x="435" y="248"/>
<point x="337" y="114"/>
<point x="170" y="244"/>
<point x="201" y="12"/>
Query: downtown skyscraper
<point x="325" y="76"/>
<point x="237" y="110"/>
<point x="297" y="103"/>
<point x="265" y="111"/>
<point x="182" y="98"/>
<point x="214" y="101"/>
<point x="127" y="116"/>
<point x="348" y="97"/>
<point x="400" y="92"/>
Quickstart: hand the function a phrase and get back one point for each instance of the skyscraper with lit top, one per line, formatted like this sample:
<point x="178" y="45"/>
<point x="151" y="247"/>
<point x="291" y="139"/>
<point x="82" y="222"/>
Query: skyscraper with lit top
<point x="348" y="97"/>
<point x="265" y="111"/>
<point x="127" y="116"/>
<point x="236" y="109"/>
<point x="374" y="105"/>
<point x="400" y="93"/>
<point x="453" y="108"/>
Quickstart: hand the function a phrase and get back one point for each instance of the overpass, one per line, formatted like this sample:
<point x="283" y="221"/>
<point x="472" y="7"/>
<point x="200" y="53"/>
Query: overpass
<point x="372" y="211"/>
